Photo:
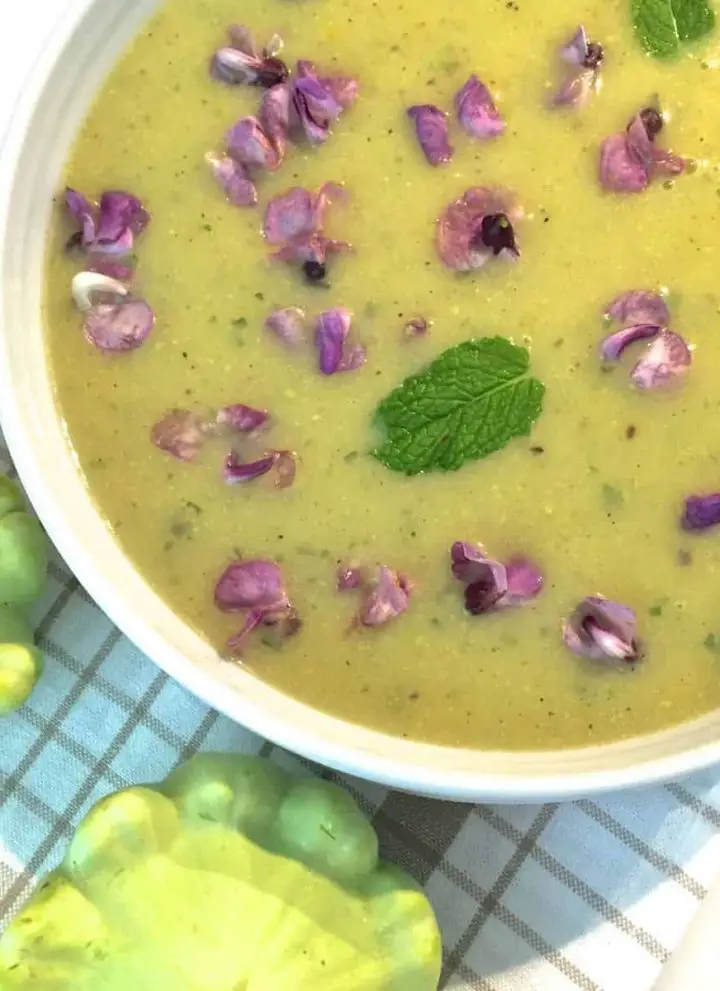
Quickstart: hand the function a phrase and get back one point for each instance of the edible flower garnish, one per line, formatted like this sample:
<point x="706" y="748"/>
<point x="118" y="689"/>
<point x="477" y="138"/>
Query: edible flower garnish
<point x="250" y="146"/>
<point x="667" y="359"/>
<point x="416" y="327"/>
<point x="181" y="433"/>
<point x="585" y="58"/>
<point x="701" y="511"/>
<point x="476" y="110"/>
<point x="331" y="334"/>
<point x="630" y="160"/>
<point x="388" y="597"/>
<point x="350" y="576"/>
<point x="237" y="472"/>
<point x="257" y="588"/>
<point x="114" y="321"/>
<point x="242" y="62"/>
<point x="295" y="220"/>
<point x="490" y="585"/>
<point x="109" y="228"/>
<point x="477" y="227"/>
<point x="431" y="128"/>
<point x="644" y="315"/>
<point x="274" y="117"/>
<point x="244" y="419"/>
<point x="288" y="325"/>
<point x="386" y="594"/>
<point x="121" y="326"/>
<point x="602" y="630"/>
<point x="313" y="104"/>
<point x="233" y="178"/>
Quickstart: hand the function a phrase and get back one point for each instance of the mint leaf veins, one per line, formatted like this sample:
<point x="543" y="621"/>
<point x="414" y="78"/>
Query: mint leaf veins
<point x="662" y="26"/>
<point x="470" y="402"/>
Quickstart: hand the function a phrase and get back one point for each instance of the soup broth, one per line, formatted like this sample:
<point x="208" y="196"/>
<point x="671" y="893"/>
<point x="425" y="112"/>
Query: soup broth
<point x="593" y="494"/>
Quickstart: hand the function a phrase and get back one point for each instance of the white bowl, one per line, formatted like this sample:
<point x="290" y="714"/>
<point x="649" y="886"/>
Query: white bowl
<point x="68" y="72"/>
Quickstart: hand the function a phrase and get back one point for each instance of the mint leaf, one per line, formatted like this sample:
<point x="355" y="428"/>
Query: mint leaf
<point x="470" y="402"/>
<point x="663" y="25"/>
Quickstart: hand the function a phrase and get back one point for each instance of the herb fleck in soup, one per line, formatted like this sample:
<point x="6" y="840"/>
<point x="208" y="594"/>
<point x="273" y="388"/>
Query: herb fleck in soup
<point x="397" y="378"/>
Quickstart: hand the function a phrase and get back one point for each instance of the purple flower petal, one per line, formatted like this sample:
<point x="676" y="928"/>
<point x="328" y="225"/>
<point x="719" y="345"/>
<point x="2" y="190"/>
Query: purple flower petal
<point x="667" y="358"/>
<point x="486" y="593"/>
<point x="314" y="106"/>
<point x="476" y="110"/>
<point x="242" y="418"/>
<point x="614" y="344"/>
<point x="111" y="228"/>
<point x="241" y="38"/>
<point x="274" y="116"/>
<point x="119" y="326"/>
<point x="120" y="212"/>
<point x="231" y="66"/>
<point x="237" y="472"/>
<point x="667" y="164"/>
<point x="241" y="62"/>
<point x="233" y="178"/>
<point x="575" y="89"/>
<point x="285" y="469"/>
<point x="350" y="576"/>
<point x="639" y="141"/>
<point x="639" y="306"/>
<point x="602" y="630"/>
<point x="416" y="327"/>
<point x="620" y="171"/>
<point x="343" y="89"/>
<point x="331" y="333"/>
<point x="313" y="249"/>
<point x="353" y="359"/>
<point x="288" y="325"/>
<point x="701" y="511"/>
<point x="107" y="266"/>
<point x="524" y="582"/>
<point x="253" y="584"/>
<point x="388" y="598"/>
<point x="84" y="213"/>
<point x="249" y="145"/>
<point x="575" y="51"/>
<point x="236" y="644"/>
<point x="468" y="562"/>
<point x="586" y="58"/>
<point x="630" y="160"/>
<point x="491" y="585"/>
<point x="180" y="433"/>
<point x="283" y="626"/>
<point x="431" y="127"/>
<point x="470" y="231"/>
<point x="289" y="215"/>
<point x="295" y="219"/>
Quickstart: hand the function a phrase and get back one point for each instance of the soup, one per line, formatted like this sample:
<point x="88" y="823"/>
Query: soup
<point x="592" y="492"/>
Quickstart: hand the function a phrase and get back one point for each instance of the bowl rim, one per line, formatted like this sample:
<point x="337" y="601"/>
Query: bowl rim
<point x="75" y="525"/>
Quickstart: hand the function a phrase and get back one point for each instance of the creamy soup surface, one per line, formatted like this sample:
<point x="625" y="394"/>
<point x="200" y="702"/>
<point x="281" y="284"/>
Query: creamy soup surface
<point x="594" y="494"/>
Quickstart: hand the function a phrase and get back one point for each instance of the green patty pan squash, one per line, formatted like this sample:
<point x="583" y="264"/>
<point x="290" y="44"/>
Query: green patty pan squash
<point x="23" y="571"/>
<point x="228" y="876"/>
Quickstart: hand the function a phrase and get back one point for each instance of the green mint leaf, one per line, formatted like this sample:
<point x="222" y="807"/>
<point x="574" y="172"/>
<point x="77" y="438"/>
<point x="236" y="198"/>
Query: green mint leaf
<point x="470" y="402"/>
<point x="663" y="25"/>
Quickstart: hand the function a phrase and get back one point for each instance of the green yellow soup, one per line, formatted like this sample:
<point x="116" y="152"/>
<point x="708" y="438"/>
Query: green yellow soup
<point x="593" y="495"/>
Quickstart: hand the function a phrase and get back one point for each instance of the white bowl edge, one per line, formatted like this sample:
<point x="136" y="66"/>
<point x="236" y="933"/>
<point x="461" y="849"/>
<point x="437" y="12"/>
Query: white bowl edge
<point x="64" y="79"/>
